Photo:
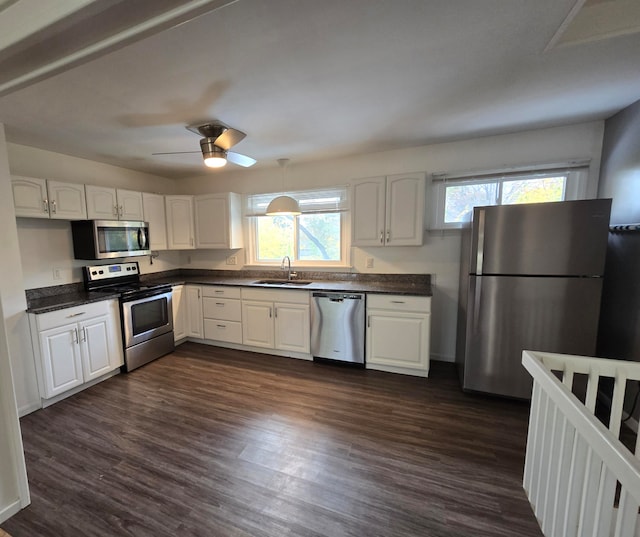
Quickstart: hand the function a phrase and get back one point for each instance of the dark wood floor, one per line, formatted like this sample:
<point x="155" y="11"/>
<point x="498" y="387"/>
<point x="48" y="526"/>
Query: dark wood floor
<point x="213" y="442"/>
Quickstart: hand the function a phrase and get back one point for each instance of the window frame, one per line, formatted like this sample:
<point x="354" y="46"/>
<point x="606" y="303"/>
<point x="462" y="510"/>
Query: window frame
<point x="575" y="188"/>
<point x="342" y="208"/>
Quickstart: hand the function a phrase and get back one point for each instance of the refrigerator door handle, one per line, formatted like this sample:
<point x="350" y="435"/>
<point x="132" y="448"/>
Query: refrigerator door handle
<point x="477" y="296"/>
<point x="480" y="251"/>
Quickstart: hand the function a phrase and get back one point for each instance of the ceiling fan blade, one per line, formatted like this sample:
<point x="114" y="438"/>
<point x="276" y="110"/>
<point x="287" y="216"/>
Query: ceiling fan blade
<point x="240" y="160"/>
<point x="229" y="138"/>
<point x="177" y="153"/>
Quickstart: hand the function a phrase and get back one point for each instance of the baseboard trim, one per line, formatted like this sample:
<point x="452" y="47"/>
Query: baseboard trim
<point x="29" y="408"/>
<point x="8" y="511"/>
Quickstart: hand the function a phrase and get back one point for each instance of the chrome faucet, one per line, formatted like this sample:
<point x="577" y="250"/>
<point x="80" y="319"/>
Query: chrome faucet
<point x="288" y="267"/>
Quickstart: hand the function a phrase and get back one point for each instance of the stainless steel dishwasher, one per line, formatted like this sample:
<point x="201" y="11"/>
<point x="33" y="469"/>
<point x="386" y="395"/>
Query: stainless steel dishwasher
<point x="337" y="327"/>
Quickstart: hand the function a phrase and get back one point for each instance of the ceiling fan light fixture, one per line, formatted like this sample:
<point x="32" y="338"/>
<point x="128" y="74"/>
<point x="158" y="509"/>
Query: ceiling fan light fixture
<point x="215" y="162"/>
<point x="214" y="156"/>
<point x="283" y="206"/>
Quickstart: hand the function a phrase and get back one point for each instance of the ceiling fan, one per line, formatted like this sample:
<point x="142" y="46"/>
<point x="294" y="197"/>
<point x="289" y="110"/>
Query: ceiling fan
<point x="218" y="139"/>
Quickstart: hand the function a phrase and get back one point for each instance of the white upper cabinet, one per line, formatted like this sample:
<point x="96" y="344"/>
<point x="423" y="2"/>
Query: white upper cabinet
<point x="104" y="203"/>
<point x="180" y="222"/>
<point x="388" y="211"/>
<point x="155" y="215"/>
<point x="40" y="198"/>
<point x="218" y="221"/>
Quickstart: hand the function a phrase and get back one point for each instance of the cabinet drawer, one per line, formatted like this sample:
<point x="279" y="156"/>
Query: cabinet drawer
<point x="291" y="296"/>
<point x="399" y="302"/>
<point x="64" y="316"/>
<point x="229" y="331"/>
<point x="221" y="308"/>
<point x="220" y="291"/>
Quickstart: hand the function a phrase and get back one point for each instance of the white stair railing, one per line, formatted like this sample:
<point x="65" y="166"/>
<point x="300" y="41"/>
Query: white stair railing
<point x="573" y="463"/>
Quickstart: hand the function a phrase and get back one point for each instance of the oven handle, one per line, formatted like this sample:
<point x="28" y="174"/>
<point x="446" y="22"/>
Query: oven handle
<point x="142" y="238"/>
<point x="149" y="295"/>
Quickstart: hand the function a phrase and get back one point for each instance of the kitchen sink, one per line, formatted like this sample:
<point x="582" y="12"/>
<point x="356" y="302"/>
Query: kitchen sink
<point x="283" y="282"/>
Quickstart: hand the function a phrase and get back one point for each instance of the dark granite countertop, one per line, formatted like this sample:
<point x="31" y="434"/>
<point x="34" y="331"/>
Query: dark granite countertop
<point x="388" y="287"/>
<point x="66" y="300"/>
<point x="54" y="298"/>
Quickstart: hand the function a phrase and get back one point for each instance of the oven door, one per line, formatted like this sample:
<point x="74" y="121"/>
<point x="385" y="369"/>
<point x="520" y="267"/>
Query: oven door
<point x="147" y="317"/>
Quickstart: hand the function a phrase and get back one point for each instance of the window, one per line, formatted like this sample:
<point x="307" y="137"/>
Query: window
<point x="453" y="199"/>
<point x="317" y="237"/>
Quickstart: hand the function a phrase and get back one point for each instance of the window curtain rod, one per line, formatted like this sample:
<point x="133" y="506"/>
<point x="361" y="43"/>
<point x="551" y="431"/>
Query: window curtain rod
<point x="530" y="171"/>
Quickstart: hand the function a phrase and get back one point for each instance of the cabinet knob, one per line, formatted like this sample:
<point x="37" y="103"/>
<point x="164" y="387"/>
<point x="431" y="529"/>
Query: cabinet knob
<point x="45" y="205"/>
<point x="381" y="237"/>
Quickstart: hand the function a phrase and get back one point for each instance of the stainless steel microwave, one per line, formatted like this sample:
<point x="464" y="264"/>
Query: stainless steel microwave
<point x="106" y="239"/>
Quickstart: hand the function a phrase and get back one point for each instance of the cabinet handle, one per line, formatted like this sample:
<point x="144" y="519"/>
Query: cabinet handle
<point x="53" y="207"/>
<point x="191" y="241"/>
<point x="219" y="291"/>
<point x="84" y="334"/>
<point x="269" y="313"/>
<point x="198" y="294"/>
<point x="45" y="205"/>
<point x="381" y="237"/>
<point x="275" y="310"/>
<point x="115" y="210"/>
<point x="221" y="325"/>
<point x="76" y="314"/>
<point x="121" y="211"/>
<point x="220" y="304"/>
<point x="75" y="331"/>
<point x="368" y="321"/>
<point x="388" y="235"/>
<point x="397" y="301"/>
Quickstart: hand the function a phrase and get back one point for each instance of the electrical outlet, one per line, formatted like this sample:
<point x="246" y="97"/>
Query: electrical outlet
<point x="56" y="273"/>
<point x="369" y="262"/>
<point x="232" y="260"/>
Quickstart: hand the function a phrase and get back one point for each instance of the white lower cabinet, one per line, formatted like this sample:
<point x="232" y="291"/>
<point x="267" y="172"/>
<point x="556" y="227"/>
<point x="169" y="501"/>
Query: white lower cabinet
<point x="76" y="345"/>
<point x="276" y="319"/>
<point x="178" y="305"/>
<point x="398" y="333"/>
<point x="193" y="301"/>
<point x="222" y="313"/>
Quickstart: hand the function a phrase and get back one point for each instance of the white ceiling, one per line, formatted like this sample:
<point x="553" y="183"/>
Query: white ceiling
<point x="310" y="80"/>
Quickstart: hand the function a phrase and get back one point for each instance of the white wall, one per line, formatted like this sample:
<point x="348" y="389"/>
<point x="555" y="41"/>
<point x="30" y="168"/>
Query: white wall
<point x="45" y="244"/>
<point x="14" y="347"/>
<point x="440" y="253"/>
<point x="33" y="162"/>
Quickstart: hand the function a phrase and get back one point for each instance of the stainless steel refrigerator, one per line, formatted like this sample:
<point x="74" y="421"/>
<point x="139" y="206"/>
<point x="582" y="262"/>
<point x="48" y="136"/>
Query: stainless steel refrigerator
<point x="530" y="278"/>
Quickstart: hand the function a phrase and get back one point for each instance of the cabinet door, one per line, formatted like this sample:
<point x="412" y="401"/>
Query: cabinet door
<point x="218" y="221"/>
<point x="398" y="339"/>
<point x="180" y="222"/>
<point x="179" y="313"/>
<point x="257" y="324"/>
<point x="30" y="197"/>
<point x="194" y="311"/>
<point x="62" y="366"/>
<point x="95" y="347"/>
<point x="368" y="212"/>
<point x="405" y="210"/>
<point x="130" y="205"/>
<point x="292" y="327"/>
<point x="101" y="203"/>
<point x="66" y="201"/>
<point x="154" y="213"/>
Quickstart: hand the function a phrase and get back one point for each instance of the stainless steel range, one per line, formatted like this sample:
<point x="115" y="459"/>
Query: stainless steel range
<point x="145" y="310"/>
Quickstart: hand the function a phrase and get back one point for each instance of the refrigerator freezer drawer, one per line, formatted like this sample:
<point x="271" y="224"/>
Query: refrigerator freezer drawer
<point x="506" y="315"/>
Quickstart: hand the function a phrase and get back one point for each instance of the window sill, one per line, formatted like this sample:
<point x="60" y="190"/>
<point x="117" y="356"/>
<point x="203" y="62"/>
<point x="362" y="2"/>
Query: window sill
<point x="297" y="266"/>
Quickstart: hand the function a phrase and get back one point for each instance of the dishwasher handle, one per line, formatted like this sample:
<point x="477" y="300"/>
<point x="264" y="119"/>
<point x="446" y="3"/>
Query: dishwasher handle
<point x="337" y="297"/>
